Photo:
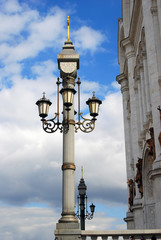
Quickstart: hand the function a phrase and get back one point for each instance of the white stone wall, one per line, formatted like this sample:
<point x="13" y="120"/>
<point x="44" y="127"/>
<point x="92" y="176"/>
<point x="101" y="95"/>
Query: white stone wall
<point x="139" y="54"/>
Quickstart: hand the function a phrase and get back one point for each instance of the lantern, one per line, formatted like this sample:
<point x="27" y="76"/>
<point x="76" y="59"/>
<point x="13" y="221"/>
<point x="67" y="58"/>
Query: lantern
<point x="68" y="96"/>
<point x="94" y="104"/>
<point x="92" y="208"/>
<point x="43" y="106"/>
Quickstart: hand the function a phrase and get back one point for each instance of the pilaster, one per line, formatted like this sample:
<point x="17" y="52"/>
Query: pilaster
<point x="153" y="52"/>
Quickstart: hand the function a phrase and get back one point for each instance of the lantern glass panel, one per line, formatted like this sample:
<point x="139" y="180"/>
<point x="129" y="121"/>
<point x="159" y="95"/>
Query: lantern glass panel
<point x="68" y="98"/>
<point x="94" y="108"/>
<point x="43" y="109"/>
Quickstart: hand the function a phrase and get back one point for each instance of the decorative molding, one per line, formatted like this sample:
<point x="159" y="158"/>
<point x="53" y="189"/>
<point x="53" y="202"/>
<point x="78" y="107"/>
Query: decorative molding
<point x="68" y="67"/>
<point x="155" y="173"/>
<point x="125" y="42"/>
<point x="121" y="77"/>
<point x="129" y="48"/>
<point x="122" y="80"/>
<point x="68" y="213"/>
<point x="68" y="166"/>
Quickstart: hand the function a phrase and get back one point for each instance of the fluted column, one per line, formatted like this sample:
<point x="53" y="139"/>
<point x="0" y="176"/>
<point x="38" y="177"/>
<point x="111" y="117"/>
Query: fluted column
<point x="122" y="80"/>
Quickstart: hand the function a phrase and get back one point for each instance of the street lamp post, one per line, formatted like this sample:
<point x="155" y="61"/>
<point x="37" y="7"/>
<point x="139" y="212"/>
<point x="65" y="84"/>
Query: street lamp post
<point x="82" y="211"/>
<point x="68" y="63"/>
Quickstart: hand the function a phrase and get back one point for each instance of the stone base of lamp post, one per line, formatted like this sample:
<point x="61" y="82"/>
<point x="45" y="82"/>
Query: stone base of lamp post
<point x="67" y="231"/>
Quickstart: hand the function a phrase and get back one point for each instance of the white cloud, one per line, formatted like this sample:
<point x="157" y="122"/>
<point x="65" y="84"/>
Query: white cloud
<point x="32" y="223"/>
<point x="10" y="6"/>
<point x="115" y="85"/>
<point x="105" y="222"/>
<point x="103" y="149"/>
<point x="27" y="223"/>
<point x="87" y="38"/>
<point x="30" y="166"/>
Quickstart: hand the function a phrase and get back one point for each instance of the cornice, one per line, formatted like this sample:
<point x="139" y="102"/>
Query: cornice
<point x="121" y="77"/>
<point x="122" y="80"/>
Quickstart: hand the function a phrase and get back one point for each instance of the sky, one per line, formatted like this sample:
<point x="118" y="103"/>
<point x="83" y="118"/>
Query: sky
<point x="32" y="33"/>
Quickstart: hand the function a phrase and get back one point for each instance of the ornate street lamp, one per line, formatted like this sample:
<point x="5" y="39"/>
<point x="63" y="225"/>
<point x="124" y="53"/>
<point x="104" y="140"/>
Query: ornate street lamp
<point x="68" y="63"/>
<point x="52" y="125"/>
<point x="82" y="209"/>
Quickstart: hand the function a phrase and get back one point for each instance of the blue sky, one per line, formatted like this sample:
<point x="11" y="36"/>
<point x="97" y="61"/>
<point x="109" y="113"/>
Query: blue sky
<point x="31" y="35"/>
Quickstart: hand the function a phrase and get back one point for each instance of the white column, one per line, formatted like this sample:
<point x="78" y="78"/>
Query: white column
<point x="122" y="80"/>
<point x="146" y="77"/>
<point x="68" y="167"/>
<point x="143" y="93"/>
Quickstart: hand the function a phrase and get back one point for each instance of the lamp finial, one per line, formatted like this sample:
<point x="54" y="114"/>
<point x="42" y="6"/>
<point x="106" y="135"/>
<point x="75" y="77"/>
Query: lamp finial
<point x="68" y="28"/>
<point x="82" y="172"/>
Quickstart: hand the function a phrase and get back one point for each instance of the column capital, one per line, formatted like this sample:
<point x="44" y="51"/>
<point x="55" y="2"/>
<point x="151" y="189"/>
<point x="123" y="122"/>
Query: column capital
<point x="129" y="47"/>
<point x="123" y="81"/>
<point x="121" y="77"/>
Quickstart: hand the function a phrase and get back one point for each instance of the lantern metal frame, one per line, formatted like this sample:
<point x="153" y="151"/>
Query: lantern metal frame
<point x="53" y="124"/>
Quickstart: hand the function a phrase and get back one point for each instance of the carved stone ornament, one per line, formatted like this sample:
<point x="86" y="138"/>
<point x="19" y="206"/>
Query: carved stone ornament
<point x="68" y="67"/>
<point x="131" y="185"/>
<point x="151" y="145"/>
<point x="138" y="179"/>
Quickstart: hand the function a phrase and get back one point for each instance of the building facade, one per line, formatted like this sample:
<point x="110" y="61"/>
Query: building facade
<point x="139" y="50"/>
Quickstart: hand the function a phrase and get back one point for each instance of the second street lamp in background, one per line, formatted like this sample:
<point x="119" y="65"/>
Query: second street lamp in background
<point x="82" y="207"/>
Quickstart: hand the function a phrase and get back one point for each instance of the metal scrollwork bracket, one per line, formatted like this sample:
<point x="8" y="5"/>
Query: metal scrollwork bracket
<point x="86" y="126"/>
<point x="50" y="126"/>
